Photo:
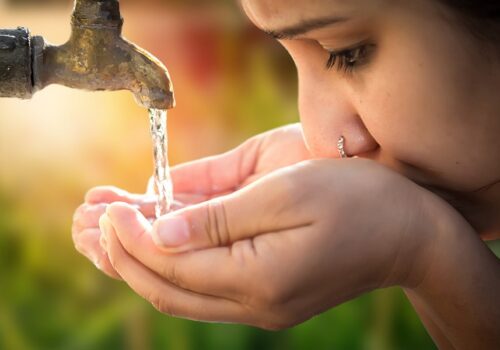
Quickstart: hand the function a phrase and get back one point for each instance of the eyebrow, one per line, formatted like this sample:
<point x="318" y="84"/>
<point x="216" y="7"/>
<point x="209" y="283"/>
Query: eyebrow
<point x="304" y="27"/>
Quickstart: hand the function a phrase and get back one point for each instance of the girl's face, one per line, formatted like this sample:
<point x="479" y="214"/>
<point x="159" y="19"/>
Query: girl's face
<point x="403" y="82"/>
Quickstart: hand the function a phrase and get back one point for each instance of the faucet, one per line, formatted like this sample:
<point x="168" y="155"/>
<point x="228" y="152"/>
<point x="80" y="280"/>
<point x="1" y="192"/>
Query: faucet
<point x="95" y="58"/>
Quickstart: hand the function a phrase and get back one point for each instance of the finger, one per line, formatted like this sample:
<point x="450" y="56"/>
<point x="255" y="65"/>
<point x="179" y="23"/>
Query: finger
<point x="189" y="270"/>
<point x="166" y="297"/>
<point x="186" y="199"/>
<point x="87" y="243"/>
<point x="87" y="216"/>
<point x="181" y="199"/>
<point x="269" y="205"/>
<point x="105" y="266"/>
<point x="110" y="194"/>
<point x="216" y="174"/>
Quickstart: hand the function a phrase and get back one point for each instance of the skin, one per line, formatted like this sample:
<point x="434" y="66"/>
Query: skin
<point x="292" y="231"/>
<point x="407" y="107"/>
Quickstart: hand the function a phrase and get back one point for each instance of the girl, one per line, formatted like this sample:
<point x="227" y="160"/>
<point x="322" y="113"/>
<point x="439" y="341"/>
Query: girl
<point x="281" y="229"/>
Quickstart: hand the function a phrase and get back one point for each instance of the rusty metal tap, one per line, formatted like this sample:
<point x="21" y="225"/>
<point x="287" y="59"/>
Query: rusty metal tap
<point x="95" y="58"/>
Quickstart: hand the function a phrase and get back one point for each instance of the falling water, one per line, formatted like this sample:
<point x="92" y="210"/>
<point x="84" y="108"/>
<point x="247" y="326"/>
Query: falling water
<point x="162" y="178"/>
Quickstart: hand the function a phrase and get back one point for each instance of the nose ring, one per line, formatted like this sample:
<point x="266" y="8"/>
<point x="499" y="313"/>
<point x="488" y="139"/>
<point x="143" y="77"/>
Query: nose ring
<point x="340" y="147"/>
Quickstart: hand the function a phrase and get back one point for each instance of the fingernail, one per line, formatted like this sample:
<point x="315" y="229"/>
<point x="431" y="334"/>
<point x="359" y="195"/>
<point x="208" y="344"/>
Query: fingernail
<point x="172" y="232"/>
<point x="97" y="263"/>
<point x="94" y="258"/>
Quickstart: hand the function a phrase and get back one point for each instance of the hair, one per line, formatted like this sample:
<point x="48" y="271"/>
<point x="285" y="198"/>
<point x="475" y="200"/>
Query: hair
<point x="480" y="17"/>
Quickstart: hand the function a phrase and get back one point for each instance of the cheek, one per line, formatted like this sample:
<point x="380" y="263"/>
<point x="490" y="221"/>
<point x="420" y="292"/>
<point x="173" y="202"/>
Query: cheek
<point x="418" y="105"/>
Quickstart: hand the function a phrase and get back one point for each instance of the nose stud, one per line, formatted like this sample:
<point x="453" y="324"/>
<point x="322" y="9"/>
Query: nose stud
<point x="340" y="147"/>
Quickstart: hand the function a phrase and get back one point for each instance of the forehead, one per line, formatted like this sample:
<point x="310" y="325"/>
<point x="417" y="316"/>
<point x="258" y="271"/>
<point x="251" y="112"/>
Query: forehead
<point x="273" y="14"/>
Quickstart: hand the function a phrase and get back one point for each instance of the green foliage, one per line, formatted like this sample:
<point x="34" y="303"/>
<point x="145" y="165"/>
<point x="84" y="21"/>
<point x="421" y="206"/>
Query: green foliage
<point x="51" y="298"/>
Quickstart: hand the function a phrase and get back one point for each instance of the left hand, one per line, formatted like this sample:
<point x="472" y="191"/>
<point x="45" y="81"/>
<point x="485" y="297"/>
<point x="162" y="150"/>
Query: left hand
<point x="289" y="246"/>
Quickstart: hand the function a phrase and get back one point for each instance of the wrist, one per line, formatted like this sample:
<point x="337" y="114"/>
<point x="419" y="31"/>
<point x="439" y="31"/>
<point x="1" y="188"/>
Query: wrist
<point x="440" y="227"/>
<point x="456" y="280"/>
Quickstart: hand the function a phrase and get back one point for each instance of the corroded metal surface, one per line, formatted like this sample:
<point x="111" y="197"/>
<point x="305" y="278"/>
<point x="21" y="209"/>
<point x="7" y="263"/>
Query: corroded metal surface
<point x="15" y="63"/>
<point x="97" y="57"/>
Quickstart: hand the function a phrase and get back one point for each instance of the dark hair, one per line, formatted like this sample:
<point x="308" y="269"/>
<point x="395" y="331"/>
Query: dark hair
<point x="481" y="17"/>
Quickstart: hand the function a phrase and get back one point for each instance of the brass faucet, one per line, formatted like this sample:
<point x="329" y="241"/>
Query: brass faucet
<point x="96" y="57"/>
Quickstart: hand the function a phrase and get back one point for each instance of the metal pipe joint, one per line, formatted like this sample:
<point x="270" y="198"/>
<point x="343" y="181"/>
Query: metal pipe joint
<point x="95" y="58"/>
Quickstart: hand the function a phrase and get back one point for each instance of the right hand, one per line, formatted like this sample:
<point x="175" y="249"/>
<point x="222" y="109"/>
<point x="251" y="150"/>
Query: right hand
<point x="193" y="182"/>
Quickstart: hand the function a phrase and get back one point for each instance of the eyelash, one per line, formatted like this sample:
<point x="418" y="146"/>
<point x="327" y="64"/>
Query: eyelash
<point x="347" y="60"/>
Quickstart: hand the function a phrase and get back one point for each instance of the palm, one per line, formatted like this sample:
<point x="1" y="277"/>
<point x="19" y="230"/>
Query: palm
<point x="216" y="176"/>
<point x="279" y="148"/>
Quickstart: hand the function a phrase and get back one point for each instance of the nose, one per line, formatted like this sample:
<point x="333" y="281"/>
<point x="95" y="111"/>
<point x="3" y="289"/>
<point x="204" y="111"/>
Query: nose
<point x="328" y="111"/>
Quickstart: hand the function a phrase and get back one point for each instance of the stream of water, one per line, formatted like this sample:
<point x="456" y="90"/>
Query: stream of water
<point x="162" y="179"/>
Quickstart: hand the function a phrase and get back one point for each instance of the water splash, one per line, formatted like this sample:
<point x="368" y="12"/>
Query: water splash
<point x="162" y="179"/>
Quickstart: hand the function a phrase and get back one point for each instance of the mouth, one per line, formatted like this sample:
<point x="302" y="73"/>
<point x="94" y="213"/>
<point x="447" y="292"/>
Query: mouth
<point x="423" y="178"/>
<point x="478" y="206"/>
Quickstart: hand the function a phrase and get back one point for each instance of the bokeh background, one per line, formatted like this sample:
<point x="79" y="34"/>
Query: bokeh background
<point x="231" y="82"/>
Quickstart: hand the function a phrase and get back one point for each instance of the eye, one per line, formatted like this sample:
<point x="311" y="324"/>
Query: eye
<point x="348" y="59"/>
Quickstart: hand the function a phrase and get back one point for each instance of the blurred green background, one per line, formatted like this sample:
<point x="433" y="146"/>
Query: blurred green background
<point x="231" y="82"/>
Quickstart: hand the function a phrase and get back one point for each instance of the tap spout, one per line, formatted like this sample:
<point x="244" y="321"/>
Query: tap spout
<point x="97" y="57"/>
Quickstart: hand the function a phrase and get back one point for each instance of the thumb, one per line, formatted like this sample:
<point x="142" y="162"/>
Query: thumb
<point x="266" y="206"/>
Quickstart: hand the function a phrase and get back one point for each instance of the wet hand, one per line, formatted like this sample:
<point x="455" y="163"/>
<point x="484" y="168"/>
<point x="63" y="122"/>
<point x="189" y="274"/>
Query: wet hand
<point x="220" y="175"/>
<point x="194" y="182"/>
<point x="85" y="229"/>
<point x="277" y="252"/>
